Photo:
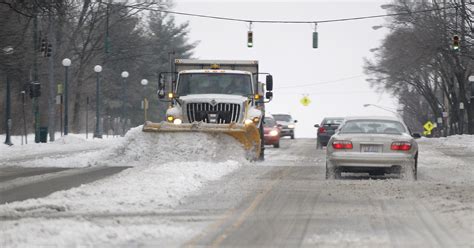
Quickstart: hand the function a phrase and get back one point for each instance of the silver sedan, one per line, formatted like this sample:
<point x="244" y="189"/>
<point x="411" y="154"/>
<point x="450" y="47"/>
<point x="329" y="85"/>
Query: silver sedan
<point x="374" y="145"/>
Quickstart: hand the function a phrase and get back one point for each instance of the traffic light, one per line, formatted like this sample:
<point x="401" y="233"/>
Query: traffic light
<point x="315" y="39"/>
<point x="249" y="39"/>
<point x="35" y="89"/>
<point x="44" y="44"/>
<point x="456" y="43"/>
<point x="49" y="50"/>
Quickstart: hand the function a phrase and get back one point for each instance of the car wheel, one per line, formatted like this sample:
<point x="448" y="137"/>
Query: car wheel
<point x="318" y="144"/>
<point x="408" y="172"/>
<point x="292" y="136"/>
<point x="332" y="172"/>
<point x="277" y="145"/>
<point x="415" y="171"/>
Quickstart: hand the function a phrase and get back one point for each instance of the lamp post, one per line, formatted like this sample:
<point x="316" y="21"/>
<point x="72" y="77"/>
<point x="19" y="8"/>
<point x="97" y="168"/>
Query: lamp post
<point x="8" y="118"/>
<point x="66" y="63"/>
<point x="124" y="100"/>
<point x="384" y="108"/>
<point x="97" y="133"/>
<point x="144" y="82"/>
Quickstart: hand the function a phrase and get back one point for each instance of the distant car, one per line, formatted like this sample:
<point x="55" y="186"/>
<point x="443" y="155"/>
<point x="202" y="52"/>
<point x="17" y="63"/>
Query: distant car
<point x="287" y="124"/>
<point x="376" y="145"/>
<point x="326" y="130"/>
<point x="271" y="132"/>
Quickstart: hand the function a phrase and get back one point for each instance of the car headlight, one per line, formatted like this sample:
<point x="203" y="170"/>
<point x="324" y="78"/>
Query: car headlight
<point x="273" y="133"/>
<point x="177" y="121"/>
<point x="291" y="126"/>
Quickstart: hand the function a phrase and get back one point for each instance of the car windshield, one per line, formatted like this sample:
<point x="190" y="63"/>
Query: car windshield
<point x="269" y="122"/>
<point x="373" y="127"/>
<point x="282" y="118"/>
<point x="214" y="83"/>
<point x="337" y="121"/>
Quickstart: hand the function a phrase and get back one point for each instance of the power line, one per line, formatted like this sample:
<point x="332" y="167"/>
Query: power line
<point x="293" y="22"/>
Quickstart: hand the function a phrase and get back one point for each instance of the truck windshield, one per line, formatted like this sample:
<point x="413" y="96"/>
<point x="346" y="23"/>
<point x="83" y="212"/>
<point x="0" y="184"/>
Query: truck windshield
<point x="214" y="83"/>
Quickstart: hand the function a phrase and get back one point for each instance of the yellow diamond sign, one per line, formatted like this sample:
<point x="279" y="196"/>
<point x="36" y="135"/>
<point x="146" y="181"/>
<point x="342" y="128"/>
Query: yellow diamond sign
<point x="305" y="101"/>
<point x="429" y="126"/>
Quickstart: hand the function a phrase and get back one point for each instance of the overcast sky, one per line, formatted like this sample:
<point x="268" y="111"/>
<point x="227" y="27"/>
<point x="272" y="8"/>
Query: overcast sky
<point x="285" y="51"/>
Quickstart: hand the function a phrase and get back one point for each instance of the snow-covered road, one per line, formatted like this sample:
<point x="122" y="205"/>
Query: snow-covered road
<point x="198" y="191"/>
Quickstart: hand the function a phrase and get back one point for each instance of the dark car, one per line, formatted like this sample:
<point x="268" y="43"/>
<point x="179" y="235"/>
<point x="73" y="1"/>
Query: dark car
<point x="328" y="127"/>
<point x="287" y="124"/>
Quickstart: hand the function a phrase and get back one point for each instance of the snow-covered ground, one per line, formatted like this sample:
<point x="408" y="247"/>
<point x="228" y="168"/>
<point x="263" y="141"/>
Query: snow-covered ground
<point x="166" y="168"/>
<point x="125" y="208"/>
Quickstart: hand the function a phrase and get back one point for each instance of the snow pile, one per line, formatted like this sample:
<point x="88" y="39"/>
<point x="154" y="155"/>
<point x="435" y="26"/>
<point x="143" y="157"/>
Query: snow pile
<point x="142" y="148"/>
<point x="455" y="141"/>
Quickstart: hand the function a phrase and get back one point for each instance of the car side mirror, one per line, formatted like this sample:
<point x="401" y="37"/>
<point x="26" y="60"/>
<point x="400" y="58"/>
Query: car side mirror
<point x="316" y="125"/>
<point x="279" y="125"/>
<point x="295" y="121"/>
<point x="269" y="82"/>
<point x="416" y="135"/>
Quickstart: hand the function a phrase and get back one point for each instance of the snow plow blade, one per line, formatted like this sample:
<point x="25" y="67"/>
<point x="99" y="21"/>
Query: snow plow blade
<point x="247" y="135"/>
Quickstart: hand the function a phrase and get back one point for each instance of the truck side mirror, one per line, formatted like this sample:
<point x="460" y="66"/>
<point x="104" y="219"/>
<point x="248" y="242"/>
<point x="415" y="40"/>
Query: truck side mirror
<point x="161" y="93"/>
<point x="269" y="95"/>
<point x="269" y="82"/>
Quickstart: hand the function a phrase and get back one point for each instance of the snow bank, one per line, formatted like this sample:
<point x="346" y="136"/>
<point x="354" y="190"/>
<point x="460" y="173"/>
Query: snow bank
<point x="142" y="148"/>
<point x="136" y="148"/>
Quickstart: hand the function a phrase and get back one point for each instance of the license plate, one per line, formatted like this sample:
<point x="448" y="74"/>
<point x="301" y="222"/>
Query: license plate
<point x="371" y="148"/>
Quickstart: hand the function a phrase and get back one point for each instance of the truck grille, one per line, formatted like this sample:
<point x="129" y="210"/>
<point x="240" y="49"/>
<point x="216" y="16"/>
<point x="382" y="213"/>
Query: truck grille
<point x="221" y="113"/>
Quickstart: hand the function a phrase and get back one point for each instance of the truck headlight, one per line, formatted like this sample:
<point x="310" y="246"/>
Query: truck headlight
<point x="248" y="122"/>
<point x="256" y="120"/>
<point x="170" y="118"/>
<point x="291" y="126"/>
<point x="177" y="121"/>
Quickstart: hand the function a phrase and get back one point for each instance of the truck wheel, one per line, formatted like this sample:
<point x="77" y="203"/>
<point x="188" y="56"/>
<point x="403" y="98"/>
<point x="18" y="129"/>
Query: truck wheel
<point x="292" y="136"/>
<point x="277" y="145"/>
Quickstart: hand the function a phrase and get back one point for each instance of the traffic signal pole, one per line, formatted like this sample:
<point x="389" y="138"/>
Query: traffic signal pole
<point x="35" y="77"/>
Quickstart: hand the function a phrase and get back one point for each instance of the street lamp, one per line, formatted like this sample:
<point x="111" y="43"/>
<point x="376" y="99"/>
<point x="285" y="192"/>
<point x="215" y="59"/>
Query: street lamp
<point x="8" y="118"/>
<point x="124" y="77"/>
<point x="66" y="63"/>
<point x="384" y="108"/>
<point x="97" y="133"/>
<point x="377" y="27"/>
<point x="144" y="82"/>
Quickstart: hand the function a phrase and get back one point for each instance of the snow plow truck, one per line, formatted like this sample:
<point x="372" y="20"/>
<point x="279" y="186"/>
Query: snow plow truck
<point x="216" y="96"/>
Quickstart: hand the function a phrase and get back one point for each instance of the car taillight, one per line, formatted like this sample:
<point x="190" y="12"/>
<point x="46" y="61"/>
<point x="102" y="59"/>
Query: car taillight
<point x="321" y="130"/>
<point x="401" y="146"/>
<point x="341" y="144"/>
